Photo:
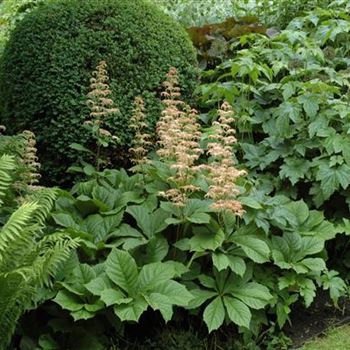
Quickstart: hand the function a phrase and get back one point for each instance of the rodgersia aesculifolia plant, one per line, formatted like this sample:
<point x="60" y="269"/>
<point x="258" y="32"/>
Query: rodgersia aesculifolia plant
<point x="222" y="174"/>
<point x="179" y="136"/>
<point x="101" y="110"/>
<point x="141" y="141"/>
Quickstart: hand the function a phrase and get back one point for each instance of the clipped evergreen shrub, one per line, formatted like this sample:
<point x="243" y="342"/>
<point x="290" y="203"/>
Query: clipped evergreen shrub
<point x="48" y="61"/>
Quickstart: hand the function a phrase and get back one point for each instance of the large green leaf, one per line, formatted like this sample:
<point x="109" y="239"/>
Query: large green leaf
<point x="131" y="311"/>
<point x="200" y="296"/>
<point x="112" y="296"/>
<point x="121" y="268"/>
<point x="237" y="311"/>
<point x="156" y="249"/>
<point x="149" y="223"/>
<point x="68" y="301"/>
<point x="223" y="261"/>
<point x="332" y="178"/>
<point x="153" y="274"/>
<point x="214" y="314"/>
<point x="162" y="303"/>
<point x="175" y="291"/>
<point x="253" y="294"/>
<point x="98" y="285"/>
<point x="205" y="239"/>
<point x="254" y="247"/>
<point x="65" y="220"/>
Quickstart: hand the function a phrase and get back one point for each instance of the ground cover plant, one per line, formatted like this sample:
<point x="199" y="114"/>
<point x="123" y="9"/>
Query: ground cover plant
<point x="230" y="217"/>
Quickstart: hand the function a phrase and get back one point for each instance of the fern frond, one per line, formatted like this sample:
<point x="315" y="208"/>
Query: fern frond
<point x="15" y="226"/>
<point x="15" y="296"/>
<point x="45" y="198"/>
<point x="19" y="252"/>
<point x="55" y="250"/>
<point x="7" y="165"/>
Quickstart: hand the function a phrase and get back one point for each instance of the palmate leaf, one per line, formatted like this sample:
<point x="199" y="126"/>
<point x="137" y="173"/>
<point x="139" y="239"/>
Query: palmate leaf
<point x="200" y="296"/>
<point x="333" y="178"/>
<point x="295" y="169"/>
<point x="121" y="268"/>
<point x="149" y="223"/>
<point x="223" y="261"/>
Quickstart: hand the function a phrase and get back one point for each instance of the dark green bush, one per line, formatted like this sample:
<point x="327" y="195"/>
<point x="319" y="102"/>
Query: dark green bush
<point x="47" y="64"/>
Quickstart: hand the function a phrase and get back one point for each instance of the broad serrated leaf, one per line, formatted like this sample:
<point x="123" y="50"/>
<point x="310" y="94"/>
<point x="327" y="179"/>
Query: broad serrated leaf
<point x="121" y="268"/>
<point x="200" y="296"/>
<point x="199" y="218"/>
<point x="153" y="274"/>
<point x="294" y="169"/>
<point x="333" y="178"/>
<point x="112" y="296"/>
<point x="131" y="311"/>
<point x="68" y="301"/>
<point x="206" y="240"/>
<point x="237" y="311"/>
<point x="214" y="314"/>
<point x="314" y="264"/>
<point x="223" y="261"/>
<point x="162" y="303"/>
<point x="249" y="202"/>
<point x="253" y="294"/>
<point x="98" y="285"/>
<point x="175" y="291"/>
<point x="255" y="248"/>
<point x="156" y="249"/>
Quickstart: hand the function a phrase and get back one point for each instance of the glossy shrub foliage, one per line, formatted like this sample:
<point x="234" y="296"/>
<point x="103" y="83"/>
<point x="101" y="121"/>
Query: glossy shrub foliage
<point x="52" y="52"/>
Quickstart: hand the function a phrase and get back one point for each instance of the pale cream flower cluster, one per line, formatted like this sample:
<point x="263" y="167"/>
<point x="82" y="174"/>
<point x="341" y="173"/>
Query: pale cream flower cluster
<point x="99" y="101"/>
<point x="222" y="174"/>
<point x="179" y="135"/>
<point x="141" y="141"/>
<point x="29" y="160"/>
<point x="179" y="139"/>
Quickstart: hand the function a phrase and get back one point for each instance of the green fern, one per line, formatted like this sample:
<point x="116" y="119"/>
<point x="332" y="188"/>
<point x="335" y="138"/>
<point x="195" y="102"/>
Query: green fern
<point x="29" y="259"/>
<point x="7" y="164"/>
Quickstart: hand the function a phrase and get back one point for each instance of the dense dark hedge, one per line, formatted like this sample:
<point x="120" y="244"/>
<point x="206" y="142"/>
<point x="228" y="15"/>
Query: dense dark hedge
<point x="47" y="64"/>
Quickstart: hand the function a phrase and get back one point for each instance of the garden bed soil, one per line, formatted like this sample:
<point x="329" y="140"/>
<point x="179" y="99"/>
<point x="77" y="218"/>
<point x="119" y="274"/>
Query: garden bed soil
<point x="314" y="321"/>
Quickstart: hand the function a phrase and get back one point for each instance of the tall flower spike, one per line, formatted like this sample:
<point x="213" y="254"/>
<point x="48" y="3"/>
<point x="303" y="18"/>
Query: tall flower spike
<point x="179" y="135"/>
<point x="140" y="143"/>
<point x="222" y="173"/>
<point x="99" y="101"/>
<point x="101" y="108"/>
<point x="30" y="175"/>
